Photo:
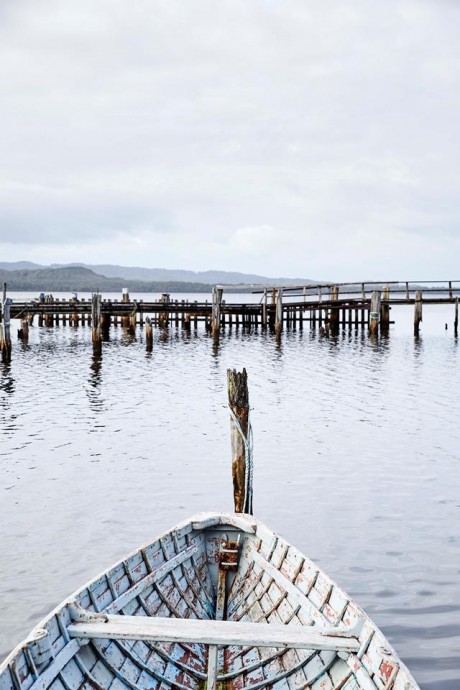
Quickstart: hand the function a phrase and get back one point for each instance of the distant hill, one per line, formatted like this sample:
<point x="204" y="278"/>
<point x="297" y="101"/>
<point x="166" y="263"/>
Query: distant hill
<point x="80" y="279"/>
<point x="164" y="274"/>
<point x="208" y="277"/>
<point x="19" y="265"/>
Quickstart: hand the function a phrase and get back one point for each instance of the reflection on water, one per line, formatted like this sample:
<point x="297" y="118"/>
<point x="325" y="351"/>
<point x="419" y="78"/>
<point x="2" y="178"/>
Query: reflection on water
<point x="356" y="454"/>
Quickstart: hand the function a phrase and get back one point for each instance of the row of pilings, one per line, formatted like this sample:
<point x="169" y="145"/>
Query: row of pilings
<point x="327" y="309"/>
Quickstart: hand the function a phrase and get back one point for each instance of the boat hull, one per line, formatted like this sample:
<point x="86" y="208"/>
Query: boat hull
<point x="193" y="572"/>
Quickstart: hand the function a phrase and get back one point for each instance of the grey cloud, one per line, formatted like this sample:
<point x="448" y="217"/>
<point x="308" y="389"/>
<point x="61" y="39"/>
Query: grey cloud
<point x="199" y="119"/>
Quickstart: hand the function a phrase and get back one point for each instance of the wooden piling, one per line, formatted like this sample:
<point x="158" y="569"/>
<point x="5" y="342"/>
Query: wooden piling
<point x="264" y="310"/>
<point x="417" y="312"/>
<point x="148" y="333"/>
<point x="374" y="314"/>
<point x="132" y="323"/>
<point x="25" y="330"/>
<point x="216" y="304"/>
<point x="456" y="318"/>
<point x="105" y="325"/>
<point x="238" y="400"/>
<point x="385" y="311"/>
<point x="96" y="321"/>
<point x="335" y="312"/>
<point x="125" y="300"/>
<point x="279" y="311"/>
<point x="5" y="333"/>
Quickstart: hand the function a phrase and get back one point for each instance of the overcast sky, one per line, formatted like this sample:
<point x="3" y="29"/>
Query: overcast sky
<point x="296" y="138"/>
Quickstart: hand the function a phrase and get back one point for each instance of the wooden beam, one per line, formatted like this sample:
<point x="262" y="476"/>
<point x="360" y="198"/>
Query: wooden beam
<point x="221" y="633"/>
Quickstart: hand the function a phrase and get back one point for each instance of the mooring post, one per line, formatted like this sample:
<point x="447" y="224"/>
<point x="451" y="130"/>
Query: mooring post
<point x="5" y="334"/>
<point x="456" y="318"/>
<point x="335" y="312"/>
<point x="132" y="319"/>
<point x="217" y="293"/>
<point x="238" y="400"/>
<point x="25" y="330"/>
<point x="105" y="325"/>
<point x="125" y="300"/>
<point x="279" y="311"/>
<point x="264" y="309"/>
<point x="417" y="311"/>
<point x="96" y="321"/>
<point x="148" y="333"/>
<point x="385" y="311"/>
<point x="374" y="313"/>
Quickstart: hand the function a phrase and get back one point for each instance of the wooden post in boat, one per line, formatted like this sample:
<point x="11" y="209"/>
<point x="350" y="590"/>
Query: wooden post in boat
<point x="216" y="302"/>
<point x="148" y="333"/>
<point x="5" y="334"/>
<point x="456" y="318"/>
<point x="96" y="321"/>
<point x="417" y="311"/>
<point x="238" y="400"/>
<point x="279" y="312"/>
<point x="374" y="315"/>
<point x="334" y="318"/>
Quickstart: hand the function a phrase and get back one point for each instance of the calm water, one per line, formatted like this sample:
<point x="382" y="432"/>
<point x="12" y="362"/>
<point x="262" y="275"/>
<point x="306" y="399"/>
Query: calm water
<point x="356" y="450"/>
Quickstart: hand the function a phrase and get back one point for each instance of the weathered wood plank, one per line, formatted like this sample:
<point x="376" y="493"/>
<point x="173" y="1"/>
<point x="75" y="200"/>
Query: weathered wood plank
<point x="157" y="575"/>
<point x="62" y="659"/>
<point x="211" y="632"/>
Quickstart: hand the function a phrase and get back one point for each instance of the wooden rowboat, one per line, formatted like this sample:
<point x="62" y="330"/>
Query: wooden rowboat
<point x="218" y="601"/>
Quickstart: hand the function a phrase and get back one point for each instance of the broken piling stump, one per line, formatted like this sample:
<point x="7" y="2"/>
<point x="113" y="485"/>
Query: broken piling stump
<point x="417" y="312"/>
<point x="96" y="322"/>
<point x="5" y="334"/>
<point x="217" y="293"/>
<point x="238" y="400"/>
<point x="279" y="312"/>
<point x="456" y="318"/>
<point x="374" y="314"/>
<point x="148" y="333"/>
<point x="334" y="317"/>
<point x="385" y="311"/>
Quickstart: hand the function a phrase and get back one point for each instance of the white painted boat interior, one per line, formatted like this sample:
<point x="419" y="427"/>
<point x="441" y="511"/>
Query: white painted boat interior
<point x="218" y="601"/>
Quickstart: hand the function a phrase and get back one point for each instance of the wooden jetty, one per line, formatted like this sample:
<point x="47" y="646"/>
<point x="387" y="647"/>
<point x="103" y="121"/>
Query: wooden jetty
<point x="326" y="306"/>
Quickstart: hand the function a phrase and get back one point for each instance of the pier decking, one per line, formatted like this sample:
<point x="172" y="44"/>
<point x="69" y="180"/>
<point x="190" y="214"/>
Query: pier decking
<point x="328" y="307"/>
